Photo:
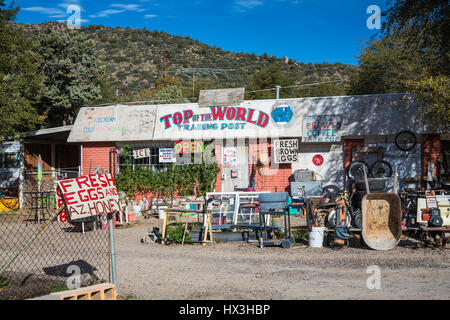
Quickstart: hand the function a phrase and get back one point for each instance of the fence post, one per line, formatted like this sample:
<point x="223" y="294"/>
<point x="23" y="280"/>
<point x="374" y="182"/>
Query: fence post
<point x="112" y="250"/>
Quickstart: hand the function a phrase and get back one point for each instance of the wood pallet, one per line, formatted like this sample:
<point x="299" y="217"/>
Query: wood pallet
<point x="105" y="291"/>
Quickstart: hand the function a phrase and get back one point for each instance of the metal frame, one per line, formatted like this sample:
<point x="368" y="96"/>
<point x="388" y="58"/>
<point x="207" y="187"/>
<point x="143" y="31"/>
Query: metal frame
<point x="238" y="195"/>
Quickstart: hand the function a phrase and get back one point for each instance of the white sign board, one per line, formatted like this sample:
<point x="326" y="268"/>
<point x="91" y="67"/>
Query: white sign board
<point x="87" y="196"/>
<point x="221" y="97"/>
<point x="167" y="155"/>
<point x="286" y="151"/>
<point x="114" y="123"/>
<point x="322" y="128"/>
<point x="141" y="153"/>
<point x="229" y="157"/>
<point x="248" y="119"/>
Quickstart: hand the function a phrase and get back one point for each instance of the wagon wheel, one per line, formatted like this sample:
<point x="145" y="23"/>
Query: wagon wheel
<point x="381" y="169"/>
<point x="405" y="140"/>
<point x="356" y="170"/>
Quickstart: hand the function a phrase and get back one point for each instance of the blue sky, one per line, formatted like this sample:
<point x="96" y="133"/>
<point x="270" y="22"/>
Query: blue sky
<point x="305" y="30"/>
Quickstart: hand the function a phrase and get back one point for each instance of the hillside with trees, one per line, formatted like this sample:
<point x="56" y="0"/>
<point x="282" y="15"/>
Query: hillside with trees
<point x="134" y="59"/>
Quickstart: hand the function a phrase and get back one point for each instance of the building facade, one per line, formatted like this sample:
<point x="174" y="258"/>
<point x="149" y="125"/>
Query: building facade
<point x="253" y="142"/>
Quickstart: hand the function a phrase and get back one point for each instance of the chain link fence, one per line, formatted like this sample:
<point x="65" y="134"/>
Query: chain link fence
<point x="63" y="255"/>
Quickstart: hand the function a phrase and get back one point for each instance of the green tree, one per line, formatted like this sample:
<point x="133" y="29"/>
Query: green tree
<point x="146" y="95"/>
<point x="20" y="79"/>
<point x="433" y="93"/>
<point x="385" y="66"/>
<point x="411" y="56"/>
<point x="167" y="80"/>
<point x="425" y="27"/>
<point x="107" y="92"/>
<point x="267" y="79"/>
<point x="71" y="70"/>
<point x="170" y="94"/>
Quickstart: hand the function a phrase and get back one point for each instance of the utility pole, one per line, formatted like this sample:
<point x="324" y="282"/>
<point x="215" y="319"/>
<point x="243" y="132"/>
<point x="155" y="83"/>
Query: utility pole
<point x="278" y="92"/>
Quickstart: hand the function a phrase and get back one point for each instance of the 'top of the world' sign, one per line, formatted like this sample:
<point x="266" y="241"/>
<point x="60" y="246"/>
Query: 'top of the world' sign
<point x="87" y="196"/>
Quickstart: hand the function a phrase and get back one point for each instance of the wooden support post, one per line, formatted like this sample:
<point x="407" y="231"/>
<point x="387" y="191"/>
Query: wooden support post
<point x="395" y="179"/>
<point x="184" y="234"/>
<point x="208" y="229"/>
<point x="366" y="181"/>
<point x="166" y="219"/>
<point x="211" y="238"/>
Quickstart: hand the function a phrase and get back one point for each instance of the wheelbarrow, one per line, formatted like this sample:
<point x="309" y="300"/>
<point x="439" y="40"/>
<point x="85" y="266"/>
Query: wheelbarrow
<point x="381" y="218"/>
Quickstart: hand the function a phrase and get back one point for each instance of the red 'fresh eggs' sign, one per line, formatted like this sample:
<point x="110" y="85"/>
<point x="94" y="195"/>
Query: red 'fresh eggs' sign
<point x="87" y="196"/>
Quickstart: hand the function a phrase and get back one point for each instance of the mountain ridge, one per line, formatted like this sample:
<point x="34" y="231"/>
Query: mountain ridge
<point x="134" y="58"/>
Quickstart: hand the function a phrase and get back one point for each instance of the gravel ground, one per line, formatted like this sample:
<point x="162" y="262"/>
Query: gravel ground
<point x="237" y="270"/>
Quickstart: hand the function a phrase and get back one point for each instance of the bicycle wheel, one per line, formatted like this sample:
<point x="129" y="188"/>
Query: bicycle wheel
<point x="355" y="170"/>
<point x="357" y="219"/>
<point x="381" y="169"/>
<point x="405" y="140"/>
<point x="332" y="219"/>
<point x="10" y="202"/>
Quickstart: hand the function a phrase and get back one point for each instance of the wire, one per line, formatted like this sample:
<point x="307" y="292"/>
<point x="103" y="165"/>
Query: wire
<point x="195" y="99"/>
<point x="297" y="86"/>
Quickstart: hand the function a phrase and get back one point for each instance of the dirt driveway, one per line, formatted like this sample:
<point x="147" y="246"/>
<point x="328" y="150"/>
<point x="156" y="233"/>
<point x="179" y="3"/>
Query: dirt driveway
<point x="243" y="271"/>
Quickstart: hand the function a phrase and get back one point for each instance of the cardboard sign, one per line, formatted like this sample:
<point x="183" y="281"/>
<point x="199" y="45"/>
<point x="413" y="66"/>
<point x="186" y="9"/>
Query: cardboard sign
<point x="286" y="151"/>
<point x="87" y="196"/>
<point x="141" y="153"/>
<point x="229" y="157"/>
<point x="189" y="147"/>
<point x="166" y="155"/>
<point x="323" y="128"/>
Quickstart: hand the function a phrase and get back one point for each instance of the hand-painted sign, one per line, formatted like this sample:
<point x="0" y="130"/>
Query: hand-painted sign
<point x="189" y="147"/>
<point x="317" y="160"/>
<point x="249" y="119"/>
<point x="218" y="119"/>
<point x="167" y="155"/>
<point x="141" y="153"/>
<point x="322" y="128"/>
<point x="282" y="114"/>
<point x="87" y="196"/>
<point x="286" y="151"/>
<point x="229" y="157"/>
<point x="113" y="123"/>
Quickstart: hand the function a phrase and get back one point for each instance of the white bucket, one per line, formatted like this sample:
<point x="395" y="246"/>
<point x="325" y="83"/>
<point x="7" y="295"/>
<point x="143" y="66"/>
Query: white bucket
<point x="316" y="236"/>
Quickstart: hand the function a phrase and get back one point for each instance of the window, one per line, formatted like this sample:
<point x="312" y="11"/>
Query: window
<point x="9" y="160"/>
<point x="151" y="162"/>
